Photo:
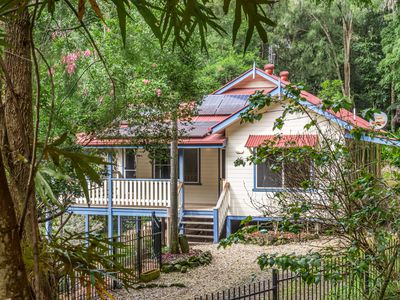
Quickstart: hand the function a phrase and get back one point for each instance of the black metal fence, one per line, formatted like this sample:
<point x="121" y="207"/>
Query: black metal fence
<point x="141" y="252"/>
<point x="339" y="283"/>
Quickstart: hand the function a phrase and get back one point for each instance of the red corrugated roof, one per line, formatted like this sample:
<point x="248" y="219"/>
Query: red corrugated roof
<point x="90" y="141"/>
<point x="282" y="140"/>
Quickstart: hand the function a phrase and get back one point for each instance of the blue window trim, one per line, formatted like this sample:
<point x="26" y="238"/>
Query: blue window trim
<point x="277" y="189"/>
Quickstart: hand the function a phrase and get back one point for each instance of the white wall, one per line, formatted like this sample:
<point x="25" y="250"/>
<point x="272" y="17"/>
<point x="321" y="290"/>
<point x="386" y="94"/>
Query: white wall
<point x="241" y="179"/>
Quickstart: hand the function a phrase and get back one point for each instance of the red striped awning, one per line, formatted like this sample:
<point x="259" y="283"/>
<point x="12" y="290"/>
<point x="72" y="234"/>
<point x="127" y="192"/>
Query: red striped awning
<point x="281" y="141"/>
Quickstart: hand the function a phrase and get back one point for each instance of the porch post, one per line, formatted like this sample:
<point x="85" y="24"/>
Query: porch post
<point x="110" y="196"/>
<point x="87" y="224"/>
<point x="182" y="191"/>
<point x="181" y="175"/>
<point x="228" y="226"/>
<point x="119" y="226"/>
<point x="87" y="227"/>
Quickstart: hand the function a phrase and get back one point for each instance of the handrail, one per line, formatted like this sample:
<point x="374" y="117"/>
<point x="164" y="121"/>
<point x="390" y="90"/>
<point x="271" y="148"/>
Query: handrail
<point x="225" y="189"/>
<point x="129" y="193"/>
<point x="221" y="210"/>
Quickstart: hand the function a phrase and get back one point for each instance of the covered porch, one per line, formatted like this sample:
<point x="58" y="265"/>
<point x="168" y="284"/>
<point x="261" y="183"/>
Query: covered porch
<point x="136" y="185"/>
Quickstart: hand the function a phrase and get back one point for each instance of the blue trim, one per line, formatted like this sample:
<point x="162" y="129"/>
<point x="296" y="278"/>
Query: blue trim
<point x="119" y="226"/>
<point x="215" y="226"/>
<point x="234" y="82"/>
<point x="103" y="211"/>
<point x="181" y="176"/>
<point x="109" y="204"/>
<point x="198" y="212"/>
<point x="376" y="140"/>
<point x="244" y="76"/>
<point x="139" y="179"/>
<point x="202" y="146"/>
<point x="228" y="227"/>
<point x="123" y="163"/>
<point x="233" y="118"/>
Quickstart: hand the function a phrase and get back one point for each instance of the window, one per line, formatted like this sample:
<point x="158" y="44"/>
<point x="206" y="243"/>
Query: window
<point x="130" y="164"/>
<point x="290" y="175"/>
<point x="191" y="165"/>
<point x="162" y="165"/>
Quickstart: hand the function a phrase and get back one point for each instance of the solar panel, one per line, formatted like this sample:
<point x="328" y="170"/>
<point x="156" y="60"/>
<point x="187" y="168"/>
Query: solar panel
<point x="222" y="104"/>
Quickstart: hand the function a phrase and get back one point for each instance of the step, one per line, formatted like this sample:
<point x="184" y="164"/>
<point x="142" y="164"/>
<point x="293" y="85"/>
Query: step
<point x="199" y="236"/>
<point x="199" y="229"/>
<point x="198" y="217"/>
<point x="197" y="223"/>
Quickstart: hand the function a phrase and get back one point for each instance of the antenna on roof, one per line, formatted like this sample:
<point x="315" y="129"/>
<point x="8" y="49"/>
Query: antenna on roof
<point x="354" y="113"/>
<point x="254" y="69"/>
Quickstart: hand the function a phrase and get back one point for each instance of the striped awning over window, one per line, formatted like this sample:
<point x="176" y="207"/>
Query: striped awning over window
<point x="281" y="141"/>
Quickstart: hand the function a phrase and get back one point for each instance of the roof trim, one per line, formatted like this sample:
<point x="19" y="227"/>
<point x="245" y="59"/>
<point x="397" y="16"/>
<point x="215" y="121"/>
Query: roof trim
<point x="235" y="116"/>
<point x="240" y="78"/>
<point x="376" y="140"/>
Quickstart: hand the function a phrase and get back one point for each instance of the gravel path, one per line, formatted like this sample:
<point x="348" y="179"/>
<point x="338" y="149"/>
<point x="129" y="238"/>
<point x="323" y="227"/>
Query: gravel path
<point x="230" y="267"/>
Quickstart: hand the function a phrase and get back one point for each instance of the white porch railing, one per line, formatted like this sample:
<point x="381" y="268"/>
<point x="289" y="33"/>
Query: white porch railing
<point x="130" y="192"/>
<point x="221" y="210"/>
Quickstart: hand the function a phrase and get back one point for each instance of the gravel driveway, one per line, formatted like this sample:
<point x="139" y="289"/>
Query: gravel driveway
<point x="230" y="267"/>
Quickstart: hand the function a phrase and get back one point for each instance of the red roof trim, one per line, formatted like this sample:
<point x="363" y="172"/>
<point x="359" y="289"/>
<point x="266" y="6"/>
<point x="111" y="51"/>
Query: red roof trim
<point x="282" y="141"/>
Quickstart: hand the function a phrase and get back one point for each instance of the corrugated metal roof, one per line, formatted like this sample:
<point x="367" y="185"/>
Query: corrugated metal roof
<point x="282" y="140"/>
<point x="87" y="141"/>
<point x="222" y="104"/>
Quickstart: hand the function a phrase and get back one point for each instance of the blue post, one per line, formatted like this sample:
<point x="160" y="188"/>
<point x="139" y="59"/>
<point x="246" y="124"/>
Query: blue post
<point x="228" y="227"/>
<point x="119" y="226"/>
<point x="87" y="227"/>
<point x="182" y="194"/>
<point x="181" y="174"/>
<point x="215" y="226"/>
<point x="109" y="204"/>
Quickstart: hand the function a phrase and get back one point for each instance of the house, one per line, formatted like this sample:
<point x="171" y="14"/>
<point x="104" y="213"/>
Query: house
<point x="213" y="192"/>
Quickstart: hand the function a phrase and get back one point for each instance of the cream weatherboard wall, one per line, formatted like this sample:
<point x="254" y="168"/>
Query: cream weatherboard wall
<point x="241" y="178"/>
<point x="205" y="194"/>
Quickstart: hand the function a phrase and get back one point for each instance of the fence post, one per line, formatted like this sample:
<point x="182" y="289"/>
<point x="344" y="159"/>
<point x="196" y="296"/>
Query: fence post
<point x="366" y="282"/>
<point x="156" y="235"/>
<point x="275" y="283"/>
<point x="139" y="245"/>
<point x="114" y="258"/>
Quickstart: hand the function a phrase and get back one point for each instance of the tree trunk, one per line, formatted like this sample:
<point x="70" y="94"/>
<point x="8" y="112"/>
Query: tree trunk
<point x="393" y="116"/>
<point x="17" y="141"/>
<point x="347" y="22"/>
<point x="13" y="277"/>
<point x="173" y="224"/>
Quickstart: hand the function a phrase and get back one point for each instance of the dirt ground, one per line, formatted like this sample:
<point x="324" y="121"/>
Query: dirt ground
<point x="230" y="267"/>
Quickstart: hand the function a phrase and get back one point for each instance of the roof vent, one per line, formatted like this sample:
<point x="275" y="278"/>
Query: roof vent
<point x="123" y="124"/>
<point x="269" y="69"/>
<point x="284" y="75"/>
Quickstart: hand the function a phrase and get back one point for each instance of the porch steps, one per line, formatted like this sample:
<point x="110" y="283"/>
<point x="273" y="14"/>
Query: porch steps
<point x="197" y="223"/>
<point x="198" y="228"/>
